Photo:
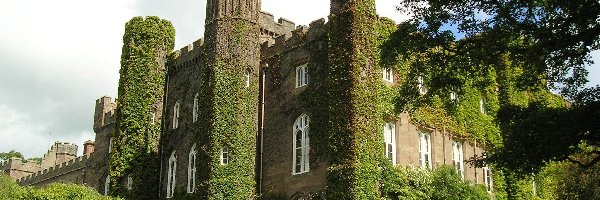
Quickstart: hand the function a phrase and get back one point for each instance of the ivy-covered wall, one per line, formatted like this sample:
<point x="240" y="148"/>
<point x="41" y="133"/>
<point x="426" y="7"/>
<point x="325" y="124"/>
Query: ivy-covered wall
<point x="146" y="43"/>
<point x="353" y="129"/>
<point x="229" y="113"/>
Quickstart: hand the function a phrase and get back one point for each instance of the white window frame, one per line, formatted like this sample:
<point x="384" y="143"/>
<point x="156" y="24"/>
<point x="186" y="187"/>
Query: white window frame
<point x="425" y="149"/>
<point x="389" y="134"/>
<point x="388" y="74"/>
<point x="191" y="186"/>
<point x="421" y="85"/>
<point x="171" y="175"/>
<point x="301" y="163"/>
<point x="106" y="185"/>
<point x="176" y="110"/>
<point x="247" y="78"/>
<point x="483" y="105"/>
<point x="195" y="108"/>
<point x="458" y="158"/>
<point x="487" y="179"/>
<point x="152" y="118"/>
<point x="301" y="75"/>
<point x="224" y="158"/>
<point x="453" y="96"/>
<point x="129" y="182"/>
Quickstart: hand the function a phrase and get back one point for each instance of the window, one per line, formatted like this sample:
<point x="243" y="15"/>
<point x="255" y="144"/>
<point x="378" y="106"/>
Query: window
<point x="192" y="170"/>
<point x="152" y="118"/>
<point x="106" y="185"/>
<point x="389" y="134"/>
<point x="487" y="178"/>
<point x="425" y="149"/>
<point x="483" y="105"/>
<point x="176" y="115"/>
<point x="195" y="111"/>
<point x="453" y="96"/>
<point x="129" y="182"/>
<point x="388" y="74"/>
<point x="301" y="145"/>
<point x="171" y="175"/>
<point x="247" y="78"/>
<point x="301" y="76"/>
<point x="224" y="155"/>
<point x="109" y="145"/>
<point x="421" y="85"/>
<point x="458" y="158"/>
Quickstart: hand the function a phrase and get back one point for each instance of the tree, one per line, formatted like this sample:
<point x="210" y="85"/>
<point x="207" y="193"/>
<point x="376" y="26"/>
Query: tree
<point x="4" y="156"/>
<point x="549" y="41"/>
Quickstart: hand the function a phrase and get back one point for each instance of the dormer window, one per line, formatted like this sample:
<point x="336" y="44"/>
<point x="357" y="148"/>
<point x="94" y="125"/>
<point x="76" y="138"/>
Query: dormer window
<point x="388" y="74"/>
<point x="301" y="76"/>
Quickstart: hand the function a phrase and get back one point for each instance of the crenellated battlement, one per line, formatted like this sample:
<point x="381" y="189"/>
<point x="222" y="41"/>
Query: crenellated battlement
<point x="59" y="152"/>
<point x="187" y="56"/>
<point x="270" y="29"/>
<point x="56" y="170"/>
<point x="104" y="113"/>
<point x="301" y="35"/>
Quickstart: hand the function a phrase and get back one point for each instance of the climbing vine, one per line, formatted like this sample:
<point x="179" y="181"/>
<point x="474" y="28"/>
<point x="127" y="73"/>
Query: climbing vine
<point x="146" y="44"/>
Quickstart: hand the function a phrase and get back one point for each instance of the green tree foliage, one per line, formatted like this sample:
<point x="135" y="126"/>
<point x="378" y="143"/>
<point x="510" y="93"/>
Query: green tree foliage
<point x="442" y="183"/>
<point x="4" y="156"/>
<point x="9" y="190"/>
<point x="135" y="141"/>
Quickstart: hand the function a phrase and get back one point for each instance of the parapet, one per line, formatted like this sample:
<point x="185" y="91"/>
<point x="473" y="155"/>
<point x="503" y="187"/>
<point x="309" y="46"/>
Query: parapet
<point x="301" y="35"/>
<point x="186" y="56"/>
<point x="270" y="27"/>
<point x="104" y="113"/>
<point x="55" y="171"/>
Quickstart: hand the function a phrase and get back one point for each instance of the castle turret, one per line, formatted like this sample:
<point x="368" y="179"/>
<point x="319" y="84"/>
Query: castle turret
<point x="232" y="66"/>
<point x="59" y="153"/>
<point x="105" y="109"/>
<point x="88" y="147"/>
<point x="354" y="126"/>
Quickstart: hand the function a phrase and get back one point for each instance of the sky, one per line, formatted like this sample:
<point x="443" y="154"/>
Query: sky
<point x="57" y="57"/>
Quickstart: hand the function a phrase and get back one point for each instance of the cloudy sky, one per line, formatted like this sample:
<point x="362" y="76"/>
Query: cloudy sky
<point x="57" y="57"/>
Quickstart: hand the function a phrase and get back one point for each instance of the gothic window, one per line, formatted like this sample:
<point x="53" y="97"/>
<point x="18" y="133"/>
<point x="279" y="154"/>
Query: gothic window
<point x="129" y="182"/>
<point x="176" y="115"/>
<point x="301" y="76"/>
<point x="389" y="134"/>
<point x="458" y="158"/>
<point x="421" y="84"/>
<point x="171" y="175"/>
<point x="224" y="155"/>
<point x="106" y="185"/>
<point x="247" y="78"/>
<point x="388" y="74"/>
<point x="192" y="170"/>
<point x="195" y="109"/>
<point x="487" y="178"/>
<point x="425" y="149"/>
<point x="301" y="145"/>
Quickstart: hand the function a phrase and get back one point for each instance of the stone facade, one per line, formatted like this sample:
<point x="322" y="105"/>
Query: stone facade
<point x="283" y="47"/>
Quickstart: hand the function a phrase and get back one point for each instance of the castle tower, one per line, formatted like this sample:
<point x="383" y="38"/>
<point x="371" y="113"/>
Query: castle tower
<point x="232" y="56"/>
<point x="134" y="152"/>
<point x="354" y="127"/>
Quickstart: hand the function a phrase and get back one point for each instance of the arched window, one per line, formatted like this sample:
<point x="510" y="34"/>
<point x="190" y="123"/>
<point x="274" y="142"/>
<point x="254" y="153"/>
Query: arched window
<point x="176" y="115"/>
<point x="171" y="175"/>
<point x="195" y="111"/>
<point x="106" y="185"/>
<point x="192" y="170"/>
<point x="301" y="145"/>
<point x="224" y="155"/>
<point x="247" y="78"/>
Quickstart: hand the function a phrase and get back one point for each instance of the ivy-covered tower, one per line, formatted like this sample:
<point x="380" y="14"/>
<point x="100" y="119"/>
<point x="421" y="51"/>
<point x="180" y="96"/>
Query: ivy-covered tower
<point x="354" y="127"/>
<point x="229" y="118"/>
<point x="134" y="143"/>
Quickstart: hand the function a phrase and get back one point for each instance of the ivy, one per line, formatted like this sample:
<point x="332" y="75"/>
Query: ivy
<point x="146" y="44"/>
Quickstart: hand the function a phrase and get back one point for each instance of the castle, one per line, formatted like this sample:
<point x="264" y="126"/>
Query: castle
<point x="277" y="66"/>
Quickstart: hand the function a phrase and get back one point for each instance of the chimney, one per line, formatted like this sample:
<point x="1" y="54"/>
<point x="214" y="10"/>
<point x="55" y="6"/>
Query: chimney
<point x="88" y="147"/>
